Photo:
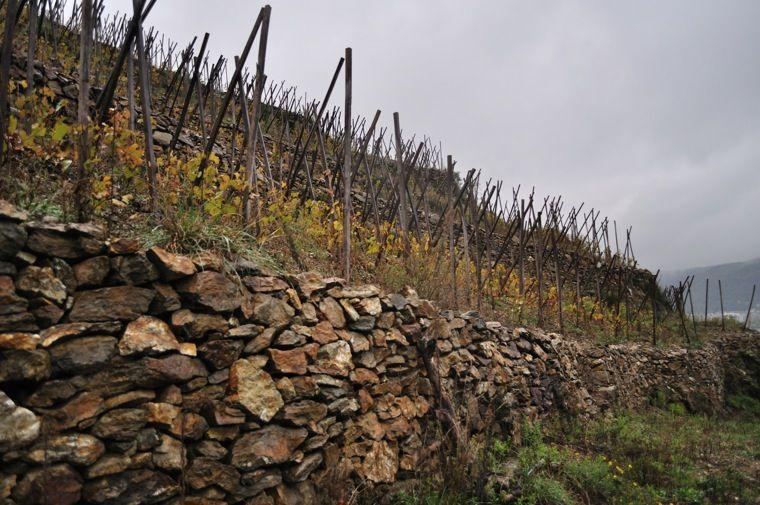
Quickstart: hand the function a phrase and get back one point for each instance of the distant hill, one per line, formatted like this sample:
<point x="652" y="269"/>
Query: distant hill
<point x="737" y="280"/>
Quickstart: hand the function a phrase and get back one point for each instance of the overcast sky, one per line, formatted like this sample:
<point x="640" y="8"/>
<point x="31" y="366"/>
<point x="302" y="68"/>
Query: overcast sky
<point x="646" y="110"/>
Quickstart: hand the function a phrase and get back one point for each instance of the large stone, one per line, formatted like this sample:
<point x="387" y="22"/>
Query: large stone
<point x="108" y="464"/>
<point x="221" y="353"/>
<point x="194" y="326"/>
<point x="20" y="364"/>
<point x="18" y="426"/>
<point x="54" y="485"/>
<point x="74" y="448"/>
<point x="72" y="241"/>
<point x="205" y="472"/>
<point x="147" y="335"/>
<point x="270" y="445"/>
<point x="135" y="487"/>
<point x="171" y="266"/>
<point x="380" y="464"/>
<point x="264" y="284"/>
<point x="26" y="341"/>
<point x="170" y="455"/>
<point x="333" y="311"/>
<point x="301" y="471"/>
<point x="303" y="413"/>
<point x="210" y="290"/>
<point x="271" y="311"/>
<point x="334" y="359"/>
<point x="120" y="424"/>
<point x="41" y="281"/>
<point x="108" y="304"/>
<point x="309" y="282"/>
<point x="82" y="355"/>
<point x="133" y="269"/>
<point x="166" y="299"/>
<point x="83" y="407"/>
<point x="12" y="239"/>
<point x="92" y="271"/>
<point x="62" y="332"/>
<point x="289" y="362"/>
<point x="254" y="389"/>
<point x="10" y="301"/>
<point x="324" y="333"/>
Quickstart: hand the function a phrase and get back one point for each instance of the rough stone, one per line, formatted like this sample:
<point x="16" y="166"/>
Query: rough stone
<point x="92" y="271"/>
<point x="55" y="485"/>
<point x="333" y="312"/>
<point x="254" y="389"/>
<point x="271" y="311"/>
<point x="133" y="269"/>
<point x="304" y="412"/>
<point x="221" y="353"/>
<point x="120" y="424"/>
<point x="20" y="364"/>
<point x="267" y="446"/>
<point x="171" y="266"/>
<point x="74" y="448"/>
<point x="82" y="355"/>
<point x="210" y="290"/>
<point x="26" y="341"/>
<point x="265" y="284"/>
<point x="301" y="472"/>
<point x="381" y="463"/>
<point x="72" y="241"/>
<point x="334" y="359"/>
<point x="18" y="426"/>
<point x="147" y="335"/>
<point x="195" y="326"/>
<point x="36" y="281"/>
<point x="289" y="362"/>
<point x="108" y="304"/>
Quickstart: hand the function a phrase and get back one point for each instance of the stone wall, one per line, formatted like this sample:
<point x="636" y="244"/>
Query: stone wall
<point x="132" y="377"/>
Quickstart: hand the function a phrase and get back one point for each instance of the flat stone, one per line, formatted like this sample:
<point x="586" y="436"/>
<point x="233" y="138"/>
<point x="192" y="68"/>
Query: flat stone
<point x="270" y="445"/>
<point x="74" y="448"/>
<point x="303" y="413"/>
<point x="82" y="355"/>
<point x="66" y="331"/>
<point x="380" y="464"/>
<point x="13" y="238"/>
<point x="354" y="291"/>
<point x="195" y="326"/>
<point x="221" y="353"/>
<point x="20" y="364"/>
<point x="210" y="290"/>
<point x="309" y="282"/>
<point x="10" y="301"/>
<point x="271" y="311"/>
<point x="134" y="487"/>
<point x="301" y="471"/>
<point x="108" y="464"/>
<point x="334" y="359"/>
<point x="171" y="266"/>
<point x="333" y="312"/>
<point x="122" y="245"/>
<point x="83" y="407"/>
<point x="260" y="284"/>
<point x="147" y="335"/>
<point x="54" y="485"/>
<point x="324" y="333"/>
<point x="120" y="424"/>
<point x="92" y="271"/>
<point x="170" y="454"/>
<point x="18" y="426"/>
<point x="26" y="341"/>
<point x="254" y="389"/>
<point x="289" y="362"/>
<point x="206" y="472"/>
<point x="133" y="269"/>
<point x="71" y="241"/>
<point x="36" y="281"/>
<point x="166" y="299"/>
<point x="108" y="304"/>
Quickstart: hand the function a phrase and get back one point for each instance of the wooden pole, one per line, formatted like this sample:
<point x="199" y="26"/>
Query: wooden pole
<point x="749" y="309"/>
<point x="722" y="315"/>
<point x="347" y="166"/>
<point x="82" y="188"/>
<point x="5" y="74"/>
<point x="707" y="298"/>
<point x="450" y="218"/>
<point x="654" y="312"/>
<point x="401" y="176"/>
<point x="150" y="156"/>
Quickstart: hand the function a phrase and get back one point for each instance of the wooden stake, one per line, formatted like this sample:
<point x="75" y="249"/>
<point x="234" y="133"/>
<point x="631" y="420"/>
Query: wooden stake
<point x="347" y="166"/>
<point x="749" y="309"/>
<point x="82" y="188"/>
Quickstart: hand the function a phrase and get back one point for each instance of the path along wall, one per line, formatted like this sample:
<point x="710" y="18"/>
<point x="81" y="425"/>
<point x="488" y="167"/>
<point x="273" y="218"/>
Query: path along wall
<point x="133" y="377"/>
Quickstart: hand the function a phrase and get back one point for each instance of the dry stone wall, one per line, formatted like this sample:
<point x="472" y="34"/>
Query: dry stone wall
<point x="132" y="377"/>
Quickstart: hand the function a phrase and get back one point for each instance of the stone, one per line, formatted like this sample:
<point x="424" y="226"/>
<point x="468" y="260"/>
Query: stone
<point x="359" y="343"/>
<point x="349" y="309"/>
<point x="303" y="413"/>
<point x="37" y="281"/>
<point x="211" y="449"/>
<point x="195" y="326"/>
<point x="18" y="426"/>
<point x="26" y="341"/>
<point x="20" y="321"/>
<point x="123" y="246"/>
<point x="380" y="464"/>
<point x="254" y="389"/>
<point x="210" y="290"/>
<point x="147" y="335"/>
<point x="370" y="306"/>
<point x="74" y="448"/>
<point x="363" y="324"/>
<point x="221" y="353"/>
<point x="289" y="362"/>
<point x="108" y="464"/>
<point x="108" y="304"/>
<point x="65" y="331"/>
<point x="133" y="269"/>
<point x="46" y="313"/>
<point x="334" y="359"/>
<point x="20" y="364"/>
<point x="260" y="480"/>
<point x="72" y="241"/>
<point x="171" y="266"/>
<point x="82" y="355"/>
<point x="134" y="487"/>
<point x="81" y="408"/>
<point x="166" y="299"/>
<point x="54" y="485"/>
<point x="271" y="311"/>
<point x="12" y="239"/>
<point x="301" y="471"/>
<point x="289" y="338"/>
<point x="270" y="445"/>
<point x="324" y="333"/>
<point x="366" y="291"/>
<point x="175" y="368"/>
<point x="120" y="424"/>
<point x="92" y="271"/>
<point x="205" y="472"/>
<point x="10" y="302"/>
<point x="309" y="282"/>
<point x="170" y="454"/>
<point x="261" y="342"/>
<point x="245" y="331"/>
<point x="131" y="398"/>
<point x="333" y="312"/>
<point x="265" y="284"/>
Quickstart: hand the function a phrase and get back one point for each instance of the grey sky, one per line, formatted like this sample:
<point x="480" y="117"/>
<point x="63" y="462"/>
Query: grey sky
<point x="646" y="110"/>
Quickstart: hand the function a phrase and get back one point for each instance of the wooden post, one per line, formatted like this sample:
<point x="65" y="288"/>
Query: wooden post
<point x="131" y="89"/>
<point x="31" y="47"/>
<point x="347" y="166"/>
<point x="559" y="290"/>
<point x="722" y="315"/>
<point x="749" y="309"/>
<point x="707" y="298"/>
<point x="150" y="156"/>
<point x="400" y="177"/>
<point x="450" y="218"/>
<point x="5" y="74"/>
<point x="82" y="188"/>
<point x="654" y="312"/>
